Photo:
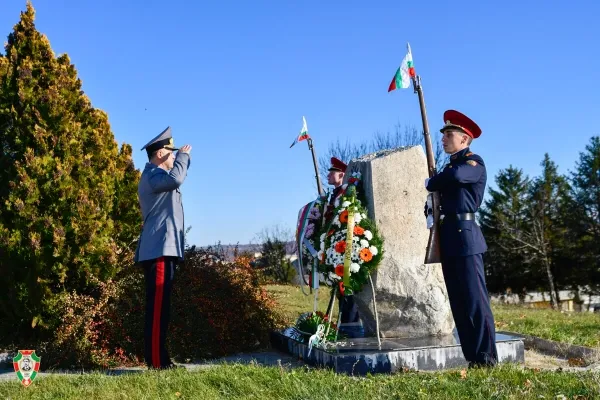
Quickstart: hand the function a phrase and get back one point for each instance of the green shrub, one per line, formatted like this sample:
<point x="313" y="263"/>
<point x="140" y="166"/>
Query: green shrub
<point x="68" y="199"/>
<point x="218" y="308"/>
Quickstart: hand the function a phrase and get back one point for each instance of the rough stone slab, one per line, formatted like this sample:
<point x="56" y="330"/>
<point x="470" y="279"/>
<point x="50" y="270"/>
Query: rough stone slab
<point x="411" y="296"/>
<point x="587" y="354"/>
<point x="362" y="356"/>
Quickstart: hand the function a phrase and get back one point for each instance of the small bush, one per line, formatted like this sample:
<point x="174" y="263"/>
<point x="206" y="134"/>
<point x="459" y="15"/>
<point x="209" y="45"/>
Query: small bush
<point x="218" y="308"/>
<point x="104" y="329"/>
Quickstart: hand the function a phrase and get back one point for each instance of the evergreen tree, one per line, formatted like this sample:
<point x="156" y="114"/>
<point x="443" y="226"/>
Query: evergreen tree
<point x="67" y="198"/>
<point x="526" y="227"/>
<point x="585" y="221"/>
<point x="503" y="213"/>
<point x="544" y="230"/>
<point x="550" y="200"/>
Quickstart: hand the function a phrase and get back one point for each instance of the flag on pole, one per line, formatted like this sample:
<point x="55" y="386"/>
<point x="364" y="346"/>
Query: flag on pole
<point x="404" y="72"/>
<point x="303" y="134"/>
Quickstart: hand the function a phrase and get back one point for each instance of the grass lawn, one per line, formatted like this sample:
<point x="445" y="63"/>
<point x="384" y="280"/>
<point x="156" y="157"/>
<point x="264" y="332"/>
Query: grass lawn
<point x="575" y="328"/>
<point x="256" y="382"/>
<point x="238" y="381"/>
<point x="293" y="302"/>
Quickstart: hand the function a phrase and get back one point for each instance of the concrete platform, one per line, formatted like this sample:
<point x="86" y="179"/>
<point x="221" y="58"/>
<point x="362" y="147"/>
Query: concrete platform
<point x="362" y="356"/>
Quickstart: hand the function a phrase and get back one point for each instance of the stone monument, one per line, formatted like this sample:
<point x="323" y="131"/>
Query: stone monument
<point x="415" y="319"/>
<point x="411" y="296"/>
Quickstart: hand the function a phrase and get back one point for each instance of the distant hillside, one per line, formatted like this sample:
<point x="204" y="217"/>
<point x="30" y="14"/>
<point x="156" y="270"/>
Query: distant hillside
<point x="228" y="249"/>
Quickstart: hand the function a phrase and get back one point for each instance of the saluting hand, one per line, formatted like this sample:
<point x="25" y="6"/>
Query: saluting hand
<point x="186" y="149"/>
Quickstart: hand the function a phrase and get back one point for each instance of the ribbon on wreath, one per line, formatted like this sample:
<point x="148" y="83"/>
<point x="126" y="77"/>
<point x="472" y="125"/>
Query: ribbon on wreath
<point x="303" y="215"/>
<point x="349" y="243"/>
<point x="301" y="227"/>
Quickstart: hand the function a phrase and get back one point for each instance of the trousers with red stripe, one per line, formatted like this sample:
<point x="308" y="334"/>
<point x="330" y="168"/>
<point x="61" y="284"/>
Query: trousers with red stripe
<point x="159" y="275"/>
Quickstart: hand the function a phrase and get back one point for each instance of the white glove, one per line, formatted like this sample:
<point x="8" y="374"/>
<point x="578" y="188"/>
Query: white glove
<point x="430" y="211"/>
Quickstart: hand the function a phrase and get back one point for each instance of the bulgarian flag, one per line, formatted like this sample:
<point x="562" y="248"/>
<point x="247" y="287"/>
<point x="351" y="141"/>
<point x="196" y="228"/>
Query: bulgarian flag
<point x="404" y="73"/>
<point x="303" y="134"/>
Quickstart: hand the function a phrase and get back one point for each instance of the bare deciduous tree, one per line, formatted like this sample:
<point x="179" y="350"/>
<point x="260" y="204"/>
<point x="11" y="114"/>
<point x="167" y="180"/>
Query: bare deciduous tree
<point x="276" y="242"/>
<point x="401" y="137"/>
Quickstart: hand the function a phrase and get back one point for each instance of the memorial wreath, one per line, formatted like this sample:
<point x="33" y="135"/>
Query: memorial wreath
<point x="350" y="246"/>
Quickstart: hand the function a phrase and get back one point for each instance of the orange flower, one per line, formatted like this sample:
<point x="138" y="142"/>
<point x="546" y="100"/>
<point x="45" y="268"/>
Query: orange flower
<point x="344" y="217"/>
<point x="339" y="270"/>
<point x="366" y="255"/>
<point x="340" y="246"/>
<point x="358" y="230"/>
<point x="331" y="232"/>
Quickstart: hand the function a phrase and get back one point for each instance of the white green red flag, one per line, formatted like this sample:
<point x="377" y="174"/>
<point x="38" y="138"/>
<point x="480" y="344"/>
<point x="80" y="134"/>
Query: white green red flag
<point x="303" y="134"/>
<point x="405" y="72"/>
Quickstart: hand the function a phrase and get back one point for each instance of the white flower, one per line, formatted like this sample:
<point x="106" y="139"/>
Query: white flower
<point x="322" y="238"/>
<point x="345" y="204"/>
<point x="333" y="276"/>
<point x="320" y="254"/>
<point x="336" y="204"/>
<point x="357" y="218"/>
<point x="354" y="267"/>
<point x="344" y="186"/>
<point x="368" y="235"/>
<point x="355" y="239"/>
<point x="329" y="282"/>
<point x="363" y="216"/>
<point x="374" y="250"/>
<point x="321" y="277"/>
<point x="364" y="243"/>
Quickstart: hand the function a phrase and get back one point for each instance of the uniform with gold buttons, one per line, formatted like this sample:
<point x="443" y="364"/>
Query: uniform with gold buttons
<point x="461" y="185"/>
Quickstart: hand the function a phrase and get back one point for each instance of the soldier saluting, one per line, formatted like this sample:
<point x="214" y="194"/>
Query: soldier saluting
<point x="161" y="244"/>
<point x="461" y="185"/>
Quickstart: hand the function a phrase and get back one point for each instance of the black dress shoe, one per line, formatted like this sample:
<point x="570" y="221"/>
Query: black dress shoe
<point x="168" y="366"/>
<point x="478" y="365"/>
<point x="172" y="366"/>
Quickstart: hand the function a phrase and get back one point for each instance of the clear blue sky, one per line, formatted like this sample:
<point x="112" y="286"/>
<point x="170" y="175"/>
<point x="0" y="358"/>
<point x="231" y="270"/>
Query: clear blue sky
<point x="234" y="78"/>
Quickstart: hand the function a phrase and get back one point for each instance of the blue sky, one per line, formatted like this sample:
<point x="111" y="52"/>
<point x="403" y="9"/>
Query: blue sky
<point x="233" y="79"/>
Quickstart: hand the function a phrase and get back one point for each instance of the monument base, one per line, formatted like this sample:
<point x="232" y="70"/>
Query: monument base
<point x="363" y="356"/>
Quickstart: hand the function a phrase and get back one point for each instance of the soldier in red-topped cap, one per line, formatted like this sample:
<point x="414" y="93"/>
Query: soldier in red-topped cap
<point x="461" y="185"/>
<point x="335" y="177"/>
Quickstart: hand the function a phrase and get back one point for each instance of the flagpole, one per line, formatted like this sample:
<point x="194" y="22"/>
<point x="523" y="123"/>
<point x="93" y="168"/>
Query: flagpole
<point x="304" y="135"/>
<point x="432" y="253"/>
<point x="320" y="189"/>
<point x="315" y="164"/>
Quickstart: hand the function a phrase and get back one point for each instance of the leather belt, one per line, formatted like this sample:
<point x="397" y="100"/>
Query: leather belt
<point x="459" y="217"/>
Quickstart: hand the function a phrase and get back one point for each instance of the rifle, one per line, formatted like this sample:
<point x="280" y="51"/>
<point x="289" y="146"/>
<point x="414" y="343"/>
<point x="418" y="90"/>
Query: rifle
<point x="432" y="254"/>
